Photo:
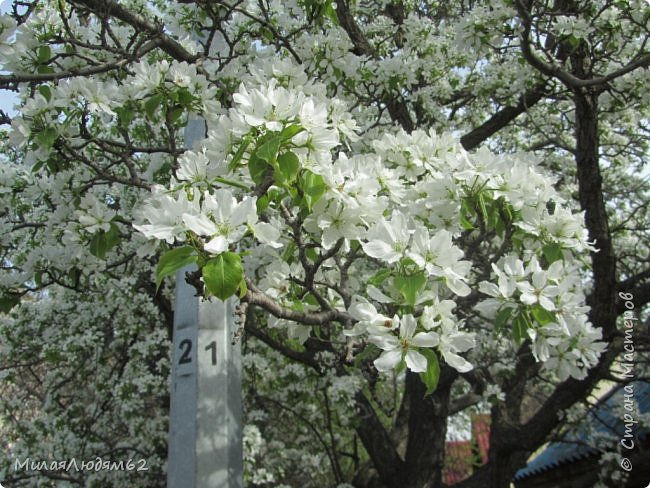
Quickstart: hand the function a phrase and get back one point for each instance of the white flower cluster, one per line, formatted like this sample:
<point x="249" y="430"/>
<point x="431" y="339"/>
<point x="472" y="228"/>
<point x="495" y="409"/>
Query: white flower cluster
<point x="401" y="205"/>
<point x="562" y="336"/>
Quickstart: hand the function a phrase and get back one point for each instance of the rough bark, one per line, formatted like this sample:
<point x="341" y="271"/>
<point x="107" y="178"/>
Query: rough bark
<point x="427" y="430"/>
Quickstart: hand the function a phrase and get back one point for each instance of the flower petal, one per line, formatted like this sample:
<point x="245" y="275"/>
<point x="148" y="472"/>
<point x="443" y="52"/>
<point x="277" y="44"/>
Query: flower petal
<point x="425" y="339"/>
<point x="388" y="360"/>
<point x="415" y="361"/>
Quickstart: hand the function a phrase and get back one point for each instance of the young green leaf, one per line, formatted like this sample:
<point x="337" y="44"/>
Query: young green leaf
<point x="502" y="317"/>
<point x="46" y="137"/>
<point x="313" y="187"/>
<point x="173" y="260"/>
<point x="240" y="153"/>
<point x="552" y="252"/>
<point x="46" y="92"/>
<point x="151" y="105"/>
<point x="112" y="236"/>
<point x="431" y="376"/>
<point x="289" y="166"/>
<point x="379" y="277"/>
<point x="520" y="326"/>
<point x="409" y="286"/>
<point x="44" y="54"/>
<point x="291" y="130"/>
<point x="269" y="150"/>
<point x="98" y="245"/>
<point x="257" y="168"/>
<point x="542" y="316"/>
<point x="223" y="274"/>
<point x="8" y="302"/>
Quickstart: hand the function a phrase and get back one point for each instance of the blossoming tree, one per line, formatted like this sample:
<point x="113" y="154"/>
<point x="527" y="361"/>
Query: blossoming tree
<point x="361" y="189"/>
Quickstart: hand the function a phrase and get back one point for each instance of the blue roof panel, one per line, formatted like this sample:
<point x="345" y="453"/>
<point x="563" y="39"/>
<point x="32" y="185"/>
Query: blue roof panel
<point x="575" y="444"/>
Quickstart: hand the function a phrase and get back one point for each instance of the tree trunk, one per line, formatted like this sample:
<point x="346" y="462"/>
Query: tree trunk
<point x="427" y="421"/>
<point x="590" y="187"/>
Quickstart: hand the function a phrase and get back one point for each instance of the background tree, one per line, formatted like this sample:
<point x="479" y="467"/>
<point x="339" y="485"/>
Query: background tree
<point x="321" y="121"/>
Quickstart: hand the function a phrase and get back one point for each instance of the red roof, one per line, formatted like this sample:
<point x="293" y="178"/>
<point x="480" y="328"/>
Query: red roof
<point x="461" y="456"/>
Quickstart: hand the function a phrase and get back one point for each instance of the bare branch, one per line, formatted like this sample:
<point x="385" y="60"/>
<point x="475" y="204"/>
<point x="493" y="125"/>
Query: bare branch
<point x="256" y="297"/>
<point x="641" y="60"/>
<point x="101" y="8"/>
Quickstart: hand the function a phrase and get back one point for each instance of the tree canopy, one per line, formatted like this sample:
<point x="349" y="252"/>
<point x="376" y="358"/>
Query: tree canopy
<point x="424" y="210"/>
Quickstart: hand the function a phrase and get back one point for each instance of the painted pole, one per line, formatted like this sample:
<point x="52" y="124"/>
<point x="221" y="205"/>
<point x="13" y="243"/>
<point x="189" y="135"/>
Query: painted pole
<point x="205" y="421"/>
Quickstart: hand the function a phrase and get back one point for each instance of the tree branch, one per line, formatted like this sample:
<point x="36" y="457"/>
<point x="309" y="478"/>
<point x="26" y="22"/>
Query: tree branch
<point x="256" y="297"/>
<point x="502" y="118"/>
<point x="554" y="71"/>
<point x="396" y="108"/>
<point x="101" y="8"/>
<point x="378" y="443"/>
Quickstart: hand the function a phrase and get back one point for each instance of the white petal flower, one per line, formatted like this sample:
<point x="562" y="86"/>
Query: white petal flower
<point x="405" y="346"/>
<point x="388" y="240"/>
<point x="388" y="360"/>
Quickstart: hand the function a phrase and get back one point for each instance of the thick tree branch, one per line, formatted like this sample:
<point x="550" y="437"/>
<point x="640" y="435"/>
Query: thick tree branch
<point x="102" y="8"/>
<point x="256" y="297"/>
<point x="378" y="443"/>
<point x="502" y="118"/>
<point x="9" y="81"/>
<point x="305" y="358"/>
<point x="396" y="108"/>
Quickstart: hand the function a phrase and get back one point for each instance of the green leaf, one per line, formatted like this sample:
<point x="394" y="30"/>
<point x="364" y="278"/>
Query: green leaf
<point x="465" y="224"/>
<point x="38" y="166"/>
<point x="262" y="204"/>
<point x="269" y="150"/>
<point x="44" y="54"/>
<point x="46" y="137"/>
<point x="502" y="317"/>
<point x="257" y="168"/>
<point x="103" y="241"/>
<point x="184" y="97"/>
<point x="313" y="187"/>
<point x="240" y="153"/>
<point x="291" y="130"/>
<point x="552" y="252"/>
<point x="379" y="277"/>
<point x="112" y="236"/>
<point x="176" y="114"/>
<point x="311" y="254"/>
<point x="466" y="209"/>
<point x="38" y="278"/>
<point x="223" y="274"/>
<point x="8" y="302"/>
<point x="243" y="288"/>
<point x="483" y="207"/>
<point x="44" y="69"/>
<point x="410" y="286"/>
<point x="289" y="250"/>
<point x="46" y="92"/>
<point x="289" y="166"/>
<point x="173" y="260"/>
<point x="125" y="116"/>
<point x="368" y="352"/>
<point x="151" y="105"/>
<point x="330" y="12"/>
<point x="520" y="326"/>
<point x="542" y="316"/>
<point x="550" y="206"/>
<point x="431" y="376"/>
<point x="98" y="245"/>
